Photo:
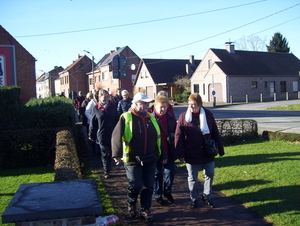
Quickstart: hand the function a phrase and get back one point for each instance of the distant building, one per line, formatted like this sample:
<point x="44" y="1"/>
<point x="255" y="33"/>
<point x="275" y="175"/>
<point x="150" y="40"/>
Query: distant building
<point x="154" y="75"/>
<point x="74" y="78"/>
<point x="234" y="75"/>
<point x="45" y="85"/>
<point x="116" y="69"/>
<point x="17" y="65"/>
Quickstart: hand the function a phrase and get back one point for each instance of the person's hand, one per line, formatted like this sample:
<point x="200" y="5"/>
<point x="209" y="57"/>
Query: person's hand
<point x="91" y="139"/>
<point x="182" y="160"/>
<point x="117" y="160"/>
<point x="164" y="161"/>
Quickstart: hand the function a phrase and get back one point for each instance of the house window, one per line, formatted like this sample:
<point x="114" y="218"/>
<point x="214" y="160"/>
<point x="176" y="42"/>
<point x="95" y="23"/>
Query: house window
<point x="141" y="74"/>
<point x="209" y="63"/>
<point x="91" y="81"/>
<point x="266" y="84"/>
<point x="196" y="88"/>
<point x="283" y="86"/>
<point x="146" y="74"/>
<point x="104" y="75"/>
<point x="113" y="81"/>
<point x="254" y="84"/>
<point x="295" y="86"/>
<point x="132" y="78"/>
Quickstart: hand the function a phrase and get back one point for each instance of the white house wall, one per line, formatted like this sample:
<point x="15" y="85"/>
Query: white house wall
<point x="211" y="78"/>
<point x="146" y="82"/>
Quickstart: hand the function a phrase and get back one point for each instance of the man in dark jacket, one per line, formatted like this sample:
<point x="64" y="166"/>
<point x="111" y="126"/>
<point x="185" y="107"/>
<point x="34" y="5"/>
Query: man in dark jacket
<point x="125" y="103"/>
<point x="104" y="120"/>
<point x="136" y="138"/>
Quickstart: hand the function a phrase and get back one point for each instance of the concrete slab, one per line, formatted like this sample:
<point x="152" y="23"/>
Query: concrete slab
<point x="53" y="200"/>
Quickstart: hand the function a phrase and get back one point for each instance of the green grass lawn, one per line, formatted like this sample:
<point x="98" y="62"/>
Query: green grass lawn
<point x="292" y="107"/>
<point x="11" y="179"/>
<point x="264" y="176"/>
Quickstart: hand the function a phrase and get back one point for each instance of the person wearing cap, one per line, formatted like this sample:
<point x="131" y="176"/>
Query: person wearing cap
<point x="125" y="103"/>
<point x="136" y="140"/>
<point x="104" y="120"/>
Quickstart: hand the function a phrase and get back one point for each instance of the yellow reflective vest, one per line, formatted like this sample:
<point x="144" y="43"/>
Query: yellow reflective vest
<point x="126" y="138"/>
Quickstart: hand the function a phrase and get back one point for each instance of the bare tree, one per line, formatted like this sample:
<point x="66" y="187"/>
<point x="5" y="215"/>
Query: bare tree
<point x="183" y="82"/>
<point x="251" y="43"/>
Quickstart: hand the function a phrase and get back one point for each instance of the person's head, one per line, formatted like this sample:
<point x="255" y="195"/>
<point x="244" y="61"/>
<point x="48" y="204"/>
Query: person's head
<point x="194" y="102"/>
<point x="119" y="90"/>
<point x="141" y="102"/>
<point x="161" y="104"/>
<point x="125" y="94"/>
<point x="80" y="93"/>
<point x="89" y="95"/>
<point x="102" y="96"/>
<point x="162" y="93"/>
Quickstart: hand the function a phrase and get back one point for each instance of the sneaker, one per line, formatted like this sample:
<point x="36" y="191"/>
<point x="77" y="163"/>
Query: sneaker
<point x="160" y="201"/>
<point x="194" y="204"/>
<point x="147" y="215"/>
<point x="208" y="202"/>
<point x="131" y="210"/>
<point x="106" y="176"/>
<point x="169" y="198"/>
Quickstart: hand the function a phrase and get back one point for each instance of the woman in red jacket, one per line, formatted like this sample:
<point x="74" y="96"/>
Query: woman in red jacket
<point x="192" y="126"/>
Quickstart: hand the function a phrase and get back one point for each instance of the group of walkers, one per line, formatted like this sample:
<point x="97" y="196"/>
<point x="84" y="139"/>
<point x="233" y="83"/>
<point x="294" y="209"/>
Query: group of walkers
<point x="148" y="140"/>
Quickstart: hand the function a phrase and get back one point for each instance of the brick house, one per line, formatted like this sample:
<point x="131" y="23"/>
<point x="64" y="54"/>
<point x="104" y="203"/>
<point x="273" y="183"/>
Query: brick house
<point x="106" y="73"/>
<point x="24" y="66"/>
<point x="155" y="75"/>
<point x="239" y="76"/>
<point x="74" y="78"/>
<point x="45" y="84"/>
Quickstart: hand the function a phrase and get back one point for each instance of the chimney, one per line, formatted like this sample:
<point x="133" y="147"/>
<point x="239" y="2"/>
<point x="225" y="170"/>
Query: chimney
<point x="230" y="47"/>
<point x="112" y="51"/>
<point x="192" y="59"/>
<point x="117" y="48"/>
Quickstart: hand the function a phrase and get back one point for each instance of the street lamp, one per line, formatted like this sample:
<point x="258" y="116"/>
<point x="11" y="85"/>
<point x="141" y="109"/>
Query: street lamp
<point x="92" y="67"/>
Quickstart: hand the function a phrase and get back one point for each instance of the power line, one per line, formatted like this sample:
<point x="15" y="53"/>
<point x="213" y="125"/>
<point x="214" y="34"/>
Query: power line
<point x="143" y="22"/>
<point x="224" y="32"/>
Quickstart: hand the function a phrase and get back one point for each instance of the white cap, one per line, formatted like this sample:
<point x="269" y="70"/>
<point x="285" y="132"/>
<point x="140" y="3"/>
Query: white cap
<point x="141" y="97"/>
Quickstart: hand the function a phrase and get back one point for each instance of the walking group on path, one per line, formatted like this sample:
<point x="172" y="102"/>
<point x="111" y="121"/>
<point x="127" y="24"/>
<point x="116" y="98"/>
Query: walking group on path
<point x="144" y="144"/>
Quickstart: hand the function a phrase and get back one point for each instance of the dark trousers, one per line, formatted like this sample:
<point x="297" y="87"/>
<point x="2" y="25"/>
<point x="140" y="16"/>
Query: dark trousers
<point x="106" y="157"/>
<point x="140" y="180"/>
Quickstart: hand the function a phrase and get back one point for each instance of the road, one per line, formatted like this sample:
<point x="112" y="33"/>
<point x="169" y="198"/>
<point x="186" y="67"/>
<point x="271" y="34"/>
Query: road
<point x="270" y="120"/>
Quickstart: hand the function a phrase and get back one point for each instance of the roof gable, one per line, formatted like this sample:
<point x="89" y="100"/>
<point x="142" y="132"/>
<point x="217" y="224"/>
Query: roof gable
<point x="164" y="70"/>
<point x="257" y="63"/>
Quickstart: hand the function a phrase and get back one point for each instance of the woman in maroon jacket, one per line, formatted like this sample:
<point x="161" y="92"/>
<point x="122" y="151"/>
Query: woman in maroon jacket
<point x="192" y="125"/>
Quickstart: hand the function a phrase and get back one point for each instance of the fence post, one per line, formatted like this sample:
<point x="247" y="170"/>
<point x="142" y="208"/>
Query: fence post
<point x="246" y="98"/>
<point x="261" y="98"/>
<point x="287" y="95"/>
<point x="274" y="96"/>
<point x="231" y="100"/>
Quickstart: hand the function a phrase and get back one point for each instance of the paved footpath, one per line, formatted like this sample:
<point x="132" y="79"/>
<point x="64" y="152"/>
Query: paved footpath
<point x="228" y="212"/>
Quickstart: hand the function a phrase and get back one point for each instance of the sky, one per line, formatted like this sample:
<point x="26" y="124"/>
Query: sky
<point x="55" y="32"/>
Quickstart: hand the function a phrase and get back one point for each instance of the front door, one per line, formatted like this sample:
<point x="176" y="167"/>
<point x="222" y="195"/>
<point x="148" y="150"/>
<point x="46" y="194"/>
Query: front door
<point x="272" y="89"/>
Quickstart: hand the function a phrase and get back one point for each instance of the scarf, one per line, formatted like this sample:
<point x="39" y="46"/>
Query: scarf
<point x="202" y="118"/>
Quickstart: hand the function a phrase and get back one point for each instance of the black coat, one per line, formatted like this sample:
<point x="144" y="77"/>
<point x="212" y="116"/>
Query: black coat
<point x="103" y="121"/>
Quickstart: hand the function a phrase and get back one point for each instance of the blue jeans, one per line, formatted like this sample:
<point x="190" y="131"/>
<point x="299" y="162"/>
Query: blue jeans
<point x="161" y="185"/>
<point x="193" y="182"/>
<point x="140" y="180"/>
